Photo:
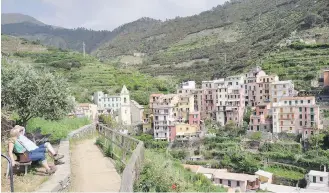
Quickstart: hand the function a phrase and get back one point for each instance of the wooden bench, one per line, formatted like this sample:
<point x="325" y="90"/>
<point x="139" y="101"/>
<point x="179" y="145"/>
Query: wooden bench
<point x="25" y="164"/>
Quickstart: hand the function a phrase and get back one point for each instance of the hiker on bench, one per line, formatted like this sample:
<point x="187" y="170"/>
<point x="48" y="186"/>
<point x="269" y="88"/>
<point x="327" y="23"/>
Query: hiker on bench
<point x="28" y="143"/>
<point x="29" y="151"/>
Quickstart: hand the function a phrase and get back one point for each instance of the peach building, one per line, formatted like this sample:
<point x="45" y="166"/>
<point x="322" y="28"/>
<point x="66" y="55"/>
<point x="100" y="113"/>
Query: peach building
<point x="250" y="84"/>
<point x="261" y="119"/>
<point x="263" y="88"/>
<point x="296" y="115"/>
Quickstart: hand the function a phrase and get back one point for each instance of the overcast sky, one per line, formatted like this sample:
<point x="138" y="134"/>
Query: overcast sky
<point x="104" y="14"/>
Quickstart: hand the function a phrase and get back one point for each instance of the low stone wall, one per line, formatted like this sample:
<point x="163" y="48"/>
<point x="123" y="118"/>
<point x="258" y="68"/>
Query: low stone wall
<point x="60" y="181"/>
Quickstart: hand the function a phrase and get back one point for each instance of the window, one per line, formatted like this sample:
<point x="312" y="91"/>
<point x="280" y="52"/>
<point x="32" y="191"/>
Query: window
<point x="289" y="102"/>
<point x="296" y="102"/>
<point x="220" y="181"/>
<point x="237" y="183"/>
<point x="306" y="132"/>
<point x="314" y="179"/>
<point x="285" y="102"/>
<point x="301" y="123"/>
<point x="321" y="179"/>
<point x="301" y="101"/>
<point x="300" y="109"/>
<point x="290" y="128"/>
<point x="229" y="183"/>
<point x="125" y="100"/>
<point x="309" y="101"/>
<point x="300" y="116"/>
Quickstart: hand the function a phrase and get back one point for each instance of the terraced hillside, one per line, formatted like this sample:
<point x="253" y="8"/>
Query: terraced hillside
<point x="298" y="62"/>
<point x="86" y="74"/>
<point x="231" y="37"/>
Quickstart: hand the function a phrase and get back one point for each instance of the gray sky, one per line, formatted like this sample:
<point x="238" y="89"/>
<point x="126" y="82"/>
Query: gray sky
<point x="104" y="14"/>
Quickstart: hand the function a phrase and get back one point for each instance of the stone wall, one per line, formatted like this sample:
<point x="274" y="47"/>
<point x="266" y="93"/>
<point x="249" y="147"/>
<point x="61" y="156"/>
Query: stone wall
<point x="60" y="181"/>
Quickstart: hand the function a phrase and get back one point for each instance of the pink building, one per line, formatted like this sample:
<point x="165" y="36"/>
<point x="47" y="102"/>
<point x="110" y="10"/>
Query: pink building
<point x="236" y="181"/>
<point x="261" y="120"/>
<point x="194" y="118"/>
<point x="209" y="100"/>
<point x="296" y="115"/>
<point x="250" y="85"/>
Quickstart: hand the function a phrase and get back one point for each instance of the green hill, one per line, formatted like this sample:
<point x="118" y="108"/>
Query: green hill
<point x="86" y="74"/>
<point x="243" y="30"/>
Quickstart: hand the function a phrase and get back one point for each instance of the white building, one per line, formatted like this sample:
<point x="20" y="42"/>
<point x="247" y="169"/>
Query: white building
<point x="188" y="85"/>
<point x="115" y="103"/>
<point x="279" y="89"/>
<point x="318" y="180"/>
<point x="107" y="102"/>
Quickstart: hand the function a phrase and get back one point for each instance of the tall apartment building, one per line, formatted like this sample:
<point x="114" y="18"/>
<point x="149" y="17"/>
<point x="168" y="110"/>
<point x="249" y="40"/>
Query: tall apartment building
<point x="163" y="114"/>
<point x="263" y="88"/>
<point x="250" y="81"/>
<point x="210" y="96"/>
<point x="189" y="87"/>
<point x="296" y="115"/>
<point x="279" y="89"/>
<point x="230" y="101"/>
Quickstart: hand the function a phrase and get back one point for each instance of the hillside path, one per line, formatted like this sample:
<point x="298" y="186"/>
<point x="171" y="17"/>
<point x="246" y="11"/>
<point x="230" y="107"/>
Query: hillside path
<point x="91" y="171"/>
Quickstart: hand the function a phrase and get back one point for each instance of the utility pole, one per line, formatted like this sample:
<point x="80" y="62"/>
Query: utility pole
<point x="84" y="49"/>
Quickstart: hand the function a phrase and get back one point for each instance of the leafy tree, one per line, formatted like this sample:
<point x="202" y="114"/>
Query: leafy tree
<point x="311" y="19"/>
<point x="108" y="120"/>
<point x="32" y="93"/>
<point x="246" y="116"/>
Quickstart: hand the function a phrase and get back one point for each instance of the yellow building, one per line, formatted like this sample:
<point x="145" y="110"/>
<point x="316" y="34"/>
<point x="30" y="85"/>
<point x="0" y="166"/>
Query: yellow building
<point x="184" y="106"/>
<point x="185" y="131"/>
<point x="147" y="120"/>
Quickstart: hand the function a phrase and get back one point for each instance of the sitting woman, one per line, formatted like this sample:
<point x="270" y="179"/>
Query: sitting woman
<point x="31" y="146"/>
<point x="14" y="145"/>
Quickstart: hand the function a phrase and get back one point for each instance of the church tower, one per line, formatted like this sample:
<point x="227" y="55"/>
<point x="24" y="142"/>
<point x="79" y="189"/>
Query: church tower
<point x="125" y="114"/>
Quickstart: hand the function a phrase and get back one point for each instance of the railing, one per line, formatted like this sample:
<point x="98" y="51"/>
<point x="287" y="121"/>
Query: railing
<point x="10" y="172"/>
<point x="132" y="155"/>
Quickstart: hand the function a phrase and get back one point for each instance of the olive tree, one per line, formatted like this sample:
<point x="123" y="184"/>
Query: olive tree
<point x="31" y="93"/>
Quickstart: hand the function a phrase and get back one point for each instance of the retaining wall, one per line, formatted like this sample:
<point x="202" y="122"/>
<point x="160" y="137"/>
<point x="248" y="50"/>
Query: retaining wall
<point x="60" y="180"/>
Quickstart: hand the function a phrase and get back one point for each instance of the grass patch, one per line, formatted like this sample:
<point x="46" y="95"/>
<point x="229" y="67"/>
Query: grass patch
<point x="58" y="129"/>
<point x="160" y="172"/>
<point x="281" y="172"/>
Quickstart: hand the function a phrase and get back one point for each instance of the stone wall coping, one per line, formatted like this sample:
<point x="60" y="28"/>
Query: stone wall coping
<point x="60" y="180"/>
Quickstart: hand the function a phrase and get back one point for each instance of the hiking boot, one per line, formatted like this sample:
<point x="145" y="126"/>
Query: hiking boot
<point x="58" y="156"/>
<point x="58" y="162"/>
<point x="51" y="171"/>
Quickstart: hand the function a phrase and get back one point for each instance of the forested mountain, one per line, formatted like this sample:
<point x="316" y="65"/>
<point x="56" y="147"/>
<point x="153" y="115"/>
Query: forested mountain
<point x="8" y="18"/>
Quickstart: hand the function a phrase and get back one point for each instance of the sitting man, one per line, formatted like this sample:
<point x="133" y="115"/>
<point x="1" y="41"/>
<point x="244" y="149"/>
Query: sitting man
<point x="31" y="146"/>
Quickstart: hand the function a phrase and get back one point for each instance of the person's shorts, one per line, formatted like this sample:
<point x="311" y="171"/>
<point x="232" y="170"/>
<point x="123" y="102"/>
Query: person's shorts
<point x="38" y="154"/>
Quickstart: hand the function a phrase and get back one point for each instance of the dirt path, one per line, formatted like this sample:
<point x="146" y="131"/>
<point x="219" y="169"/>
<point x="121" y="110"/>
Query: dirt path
<point x="91" y="171"/>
